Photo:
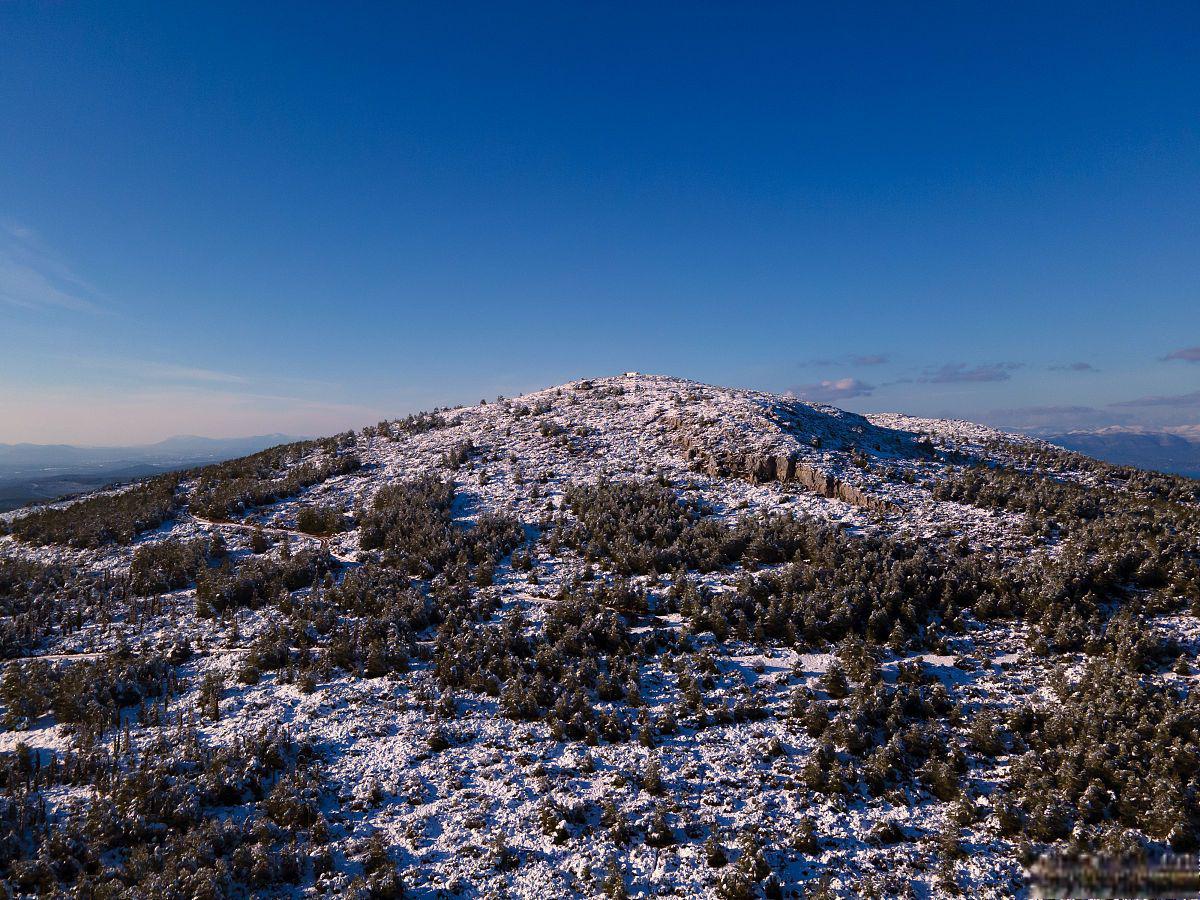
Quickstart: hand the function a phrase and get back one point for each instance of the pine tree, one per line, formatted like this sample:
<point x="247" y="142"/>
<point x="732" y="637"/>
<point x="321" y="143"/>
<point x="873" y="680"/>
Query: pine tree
<point x="258" y="540"/>
<point x="714" y="853"/>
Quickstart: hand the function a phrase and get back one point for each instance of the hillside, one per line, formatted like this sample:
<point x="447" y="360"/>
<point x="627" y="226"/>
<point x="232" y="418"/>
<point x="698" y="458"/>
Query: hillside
<point x="629" y="636"/>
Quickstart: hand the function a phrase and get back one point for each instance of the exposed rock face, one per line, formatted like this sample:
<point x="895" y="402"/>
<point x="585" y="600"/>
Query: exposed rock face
<point x="761" y="467"/>
<point x="824" y="450"/>
<point x="828" y="486"/>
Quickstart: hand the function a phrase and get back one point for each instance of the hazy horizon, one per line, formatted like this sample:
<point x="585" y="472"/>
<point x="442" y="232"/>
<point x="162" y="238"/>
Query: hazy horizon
<point x="1035" y="421"/>
<point x="162" y="440"/>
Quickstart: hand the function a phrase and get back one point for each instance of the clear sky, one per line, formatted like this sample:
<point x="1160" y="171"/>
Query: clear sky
<point x="232" y="219"/>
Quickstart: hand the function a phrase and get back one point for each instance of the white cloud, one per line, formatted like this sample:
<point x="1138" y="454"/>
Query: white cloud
<point x="831" y="391"/>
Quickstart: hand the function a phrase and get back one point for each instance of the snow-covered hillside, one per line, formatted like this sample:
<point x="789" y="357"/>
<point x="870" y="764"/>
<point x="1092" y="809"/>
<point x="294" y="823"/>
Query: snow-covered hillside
<point x="627" y="636"/>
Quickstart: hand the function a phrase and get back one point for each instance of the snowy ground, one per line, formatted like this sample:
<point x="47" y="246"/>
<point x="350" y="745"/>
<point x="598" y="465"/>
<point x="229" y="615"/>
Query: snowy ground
<point x="441" y="811"/>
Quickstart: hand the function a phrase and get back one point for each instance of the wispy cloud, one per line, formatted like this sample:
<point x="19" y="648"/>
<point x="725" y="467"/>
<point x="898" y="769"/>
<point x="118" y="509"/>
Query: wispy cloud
<point x="1063" y="410"/>
<point x="863" y="359"/>
<point x="1187" y="354"/>
<point x="1075" y="367"/>
<point x="157" y="372"/>
<point x="960" y="373"/>
<point x="163" y="372"/>
<point x="34" y="277"/>
<point x="832" y="391"/>
<point x="1192" y="398"/>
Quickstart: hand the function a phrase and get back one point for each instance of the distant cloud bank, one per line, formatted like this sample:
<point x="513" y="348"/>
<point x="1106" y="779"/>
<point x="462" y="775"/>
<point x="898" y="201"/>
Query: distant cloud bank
<point x="961" y="373"/>
<point x="1055" y="417"/>
<point x="1192" y="398"/>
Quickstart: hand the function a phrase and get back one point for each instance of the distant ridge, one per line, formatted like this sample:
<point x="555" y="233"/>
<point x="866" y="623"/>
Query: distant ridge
<point x="25" y="453"/>
<point x="1175" y="450"/>
<point x="36" y="472"/>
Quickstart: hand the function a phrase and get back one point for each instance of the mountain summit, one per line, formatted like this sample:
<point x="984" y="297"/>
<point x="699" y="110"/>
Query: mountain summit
<point x="625" y="636"/>
<point x="725" y="440"/>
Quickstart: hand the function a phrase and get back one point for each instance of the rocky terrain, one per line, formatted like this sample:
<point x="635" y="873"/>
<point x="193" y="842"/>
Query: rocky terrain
<point x="629" y="636"/>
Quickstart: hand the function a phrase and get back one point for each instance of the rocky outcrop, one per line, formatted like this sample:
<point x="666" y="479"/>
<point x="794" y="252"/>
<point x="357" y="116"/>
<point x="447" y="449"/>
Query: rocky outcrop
<point x="828" y="486"/>
<point x="762" y="466"/>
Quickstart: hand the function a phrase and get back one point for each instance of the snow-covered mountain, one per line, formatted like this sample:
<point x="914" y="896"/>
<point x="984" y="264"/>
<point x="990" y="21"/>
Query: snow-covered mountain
<point x="627" y="636"/>
<point x="1174" y="450"/>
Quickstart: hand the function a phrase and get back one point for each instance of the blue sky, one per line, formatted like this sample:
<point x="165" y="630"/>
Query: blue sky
<point x="235" y="219"/>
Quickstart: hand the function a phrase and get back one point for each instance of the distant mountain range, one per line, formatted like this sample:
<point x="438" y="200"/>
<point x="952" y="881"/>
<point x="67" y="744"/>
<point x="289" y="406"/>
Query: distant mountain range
<point x="1175" y="450"/>
<point x="35" y="472"/>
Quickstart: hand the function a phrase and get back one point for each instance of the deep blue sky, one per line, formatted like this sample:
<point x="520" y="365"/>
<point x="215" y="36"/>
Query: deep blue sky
<point x="230" y="219"/>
